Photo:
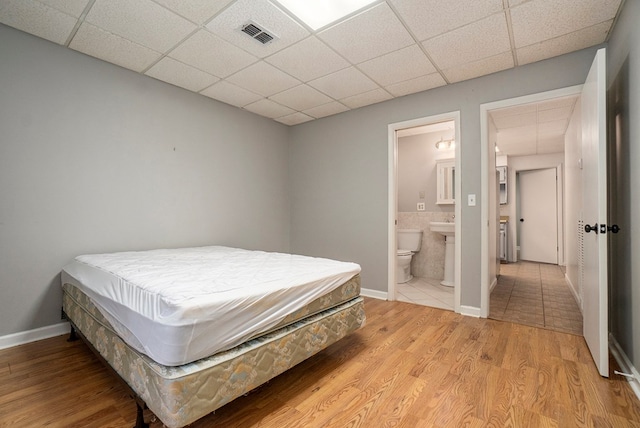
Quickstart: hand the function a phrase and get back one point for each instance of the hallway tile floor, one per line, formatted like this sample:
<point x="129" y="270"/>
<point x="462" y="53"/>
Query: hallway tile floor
<point x="535" y="294"/>
<point x="425" y="292"/>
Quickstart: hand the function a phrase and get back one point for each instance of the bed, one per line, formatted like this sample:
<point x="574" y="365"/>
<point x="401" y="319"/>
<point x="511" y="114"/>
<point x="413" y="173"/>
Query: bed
<point x="189" y="330"/>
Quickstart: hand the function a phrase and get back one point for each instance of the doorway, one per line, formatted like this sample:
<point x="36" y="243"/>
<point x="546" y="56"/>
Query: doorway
<point x="515" y="110"/>
<point x="393" y="132"/>
<point x="537" y="208"/>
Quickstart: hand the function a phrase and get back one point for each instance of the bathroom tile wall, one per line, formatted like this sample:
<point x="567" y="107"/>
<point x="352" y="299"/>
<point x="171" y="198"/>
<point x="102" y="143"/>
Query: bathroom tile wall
<point x="429" y="262"/>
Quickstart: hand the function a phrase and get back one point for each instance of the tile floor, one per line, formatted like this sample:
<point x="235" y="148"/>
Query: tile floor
<point x="426" y="292"/>
<point x="535" y="294"/>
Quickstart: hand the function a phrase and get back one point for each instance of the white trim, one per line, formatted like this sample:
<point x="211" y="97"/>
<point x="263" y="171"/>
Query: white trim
<point x="29" y="336"/>
<point x="493" y="284"/>
<point x="574" y="292"/>
<point x="470" y="311"/>
<point x="375" y="294"/>
<point x="393" y="198"/>
<point x="625" y="365"/>
<point x="484" y="177"/>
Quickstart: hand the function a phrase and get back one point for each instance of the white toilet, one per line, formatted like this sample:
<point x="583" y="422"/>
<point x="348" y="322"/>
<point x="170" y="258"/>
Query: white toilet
<point x="409" y="241"/>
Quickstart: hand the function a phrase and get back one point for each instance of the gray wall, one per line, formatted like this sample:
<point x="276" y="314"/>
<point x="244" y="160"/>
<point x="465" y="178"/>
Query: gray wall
<point x="417" y="171"/>
<point x="339" y="168"/>
<point x="96" y="158"/>
<point x="623" y="76"/>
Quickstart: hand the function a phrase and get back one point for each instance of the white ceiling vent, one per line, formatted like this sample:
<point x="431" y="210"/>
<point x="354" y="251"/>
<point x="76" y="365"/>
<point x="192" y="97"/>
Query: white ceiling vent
<point x="258" y="33"/>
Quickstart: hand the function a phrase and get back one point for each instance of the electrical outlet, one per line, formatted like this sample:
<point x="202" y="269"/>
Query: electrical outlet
<point x="421" y="206"/>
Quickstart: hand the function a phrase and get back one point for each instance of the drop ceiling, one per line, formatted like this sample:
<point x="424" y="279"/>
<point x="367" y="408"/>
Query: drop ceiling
<point x="386" y="50"/>
<point x="534" y="128"/>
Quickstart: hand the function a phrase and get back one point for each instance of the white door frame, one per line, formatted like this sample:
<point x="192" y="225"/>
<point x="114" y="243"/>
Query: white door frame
<point x="485" y="150"/>
<point x="393" y="198"/>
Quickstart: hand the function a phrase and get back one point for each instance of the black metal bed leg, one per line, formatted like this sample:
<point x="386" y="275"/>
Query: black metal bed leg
<point x="140" y="417"/>
<point x="72" y="335"/>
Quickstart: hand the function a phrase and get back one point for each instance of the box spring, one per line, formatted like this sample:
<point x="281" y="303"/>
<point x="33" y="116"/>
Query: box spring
<point x="182" y="394"/>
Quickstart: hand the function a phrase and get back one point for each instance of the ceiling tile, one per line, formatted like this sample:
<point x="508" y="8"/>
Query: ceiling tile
<point x="301" y="97"/>
<point x="482" y="39"/>
<point x="385" y="70"/>
<point x="171" y="71"/>
<point x="429" y="18"/>
<point x="360" y="38"/>
<point x="268" y="108"/>
<point x="294" y="119"/>
<point x="141" y="21"/>
<point x="418" y="84"/>
<point x="344" y="83"/>
<point x="577" y="40"/>
<point x="37" y="19"/>
<point x="549" y="115"/>
<point x="101" y="44"/>
<point x="228" y="25"/>
<point x="70" y="7"/>
<point x="308" y="59"/>
<point x="514" y="110"/>
<point x="263" y="79"/>
<point x="230" y="94"/>
<point x="326" y="110"/>
<point x="540" y="20"/>
<point x="367" y="98"/>
<point x="210" y="53"/>
<point x="479" y="68"/>
<point x="569" y="101"/>
<point x="552" y="128"/>
<point x="197" y="11"/>
<point x="522" y="134"/>
<point x="515" y="120"/>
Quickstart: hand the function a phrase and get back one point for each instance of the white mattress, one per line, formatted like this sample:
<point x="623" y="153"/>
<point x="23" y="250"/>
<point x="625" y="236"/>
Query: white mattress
<point x="181" y="305"/>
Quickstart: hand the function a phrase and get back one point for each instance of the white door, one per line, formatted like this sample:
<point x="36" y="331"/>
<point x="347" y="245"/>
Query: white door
<point x="538" y="215"/>
<point x="594" y="213"/>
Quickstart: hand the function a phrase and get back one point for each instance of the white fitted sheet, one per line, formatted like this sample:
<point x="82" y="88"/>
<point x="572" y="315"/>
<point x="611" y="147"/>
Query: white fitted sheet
<point x="181" y="305"/>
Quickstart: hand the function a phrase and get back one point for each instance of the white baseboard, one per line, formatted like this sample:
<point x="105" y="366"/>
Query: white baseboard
<point x="375" y="294"/>
<point x="470" y="311"/>
<point x="493" y="285"/>
<point x="625" y="365"/>
<point x="574" y="292"/>
<point x="29" y="336"/>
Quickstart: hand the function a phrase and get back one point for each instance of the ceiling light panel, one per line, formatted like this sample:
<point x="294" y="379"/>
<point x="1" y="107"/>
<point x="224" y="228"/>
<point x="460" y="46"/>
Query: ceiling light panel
<point x="319" y="13"/>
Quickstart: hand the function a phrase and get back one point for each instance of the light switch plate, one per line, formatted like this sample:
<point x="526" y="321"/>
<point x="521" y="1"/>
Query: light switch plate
<point x="471" y="198"/>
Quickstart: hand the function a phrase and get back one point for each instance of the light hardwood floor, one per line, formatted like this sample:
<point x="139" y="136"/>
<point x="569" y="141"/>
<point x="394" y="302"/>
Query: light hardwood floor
<point x="410" y="366"/>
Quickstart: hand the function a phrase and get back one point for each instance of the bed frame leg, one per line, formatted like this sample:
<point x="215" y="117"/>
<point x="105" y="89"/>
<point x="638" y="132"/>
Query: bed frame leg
<point x="140" y="417"/>
<point x="72" y="335"/>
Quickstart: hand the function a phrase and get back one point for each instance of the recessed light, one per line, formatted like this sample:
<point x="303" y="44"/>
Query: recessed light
<point x="318" y="13"/>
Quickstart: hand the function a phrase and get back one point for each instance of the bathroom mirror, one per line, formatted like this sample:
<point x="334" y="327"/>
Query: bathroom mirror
<point x="445" y="181"/>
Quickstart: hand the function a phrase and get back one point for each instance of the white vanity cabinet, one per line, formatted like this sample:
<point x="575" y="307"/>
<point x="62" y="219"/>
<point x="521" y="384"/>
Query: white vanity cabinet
<point x="446" y="181"/>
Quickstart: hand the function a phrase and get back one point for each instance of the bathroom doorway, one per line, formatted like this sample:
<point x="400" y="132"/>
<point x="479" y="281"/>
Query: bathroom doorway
<point x="421" y="206"/>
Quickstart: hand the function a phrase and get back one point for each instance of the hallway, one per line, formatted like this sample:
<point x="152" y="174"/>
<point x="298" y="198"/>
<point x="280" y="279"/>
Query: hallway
<point x="535" y="294"/>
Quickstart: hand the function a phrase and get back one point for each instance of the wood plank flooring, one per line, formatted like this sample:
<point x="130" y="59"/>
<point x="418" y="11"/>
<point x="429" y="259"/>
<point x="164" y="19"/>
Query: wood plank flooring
<point x="410" y="366"/>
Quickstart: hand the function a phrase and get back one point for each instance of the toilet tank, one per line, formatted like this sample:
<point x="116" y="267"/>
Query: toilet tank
<point x="409" y="239"/>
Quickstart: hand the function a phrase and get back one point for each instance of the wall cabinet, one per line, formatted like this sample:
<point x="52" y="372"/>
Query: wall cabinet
<point x="502" y="182"/>
<point x="446" y="181"/>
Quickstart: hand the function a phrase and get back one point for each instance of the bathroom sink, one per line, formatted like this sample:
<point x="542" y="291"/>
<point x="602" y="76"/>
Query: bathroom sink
<point x="449" y="232"/>
<point x="443" y="228"/>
